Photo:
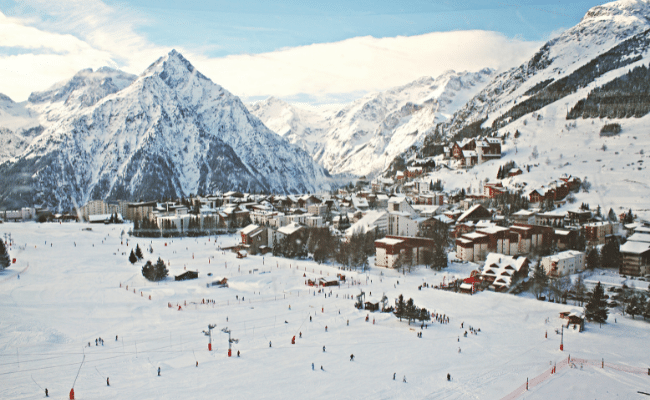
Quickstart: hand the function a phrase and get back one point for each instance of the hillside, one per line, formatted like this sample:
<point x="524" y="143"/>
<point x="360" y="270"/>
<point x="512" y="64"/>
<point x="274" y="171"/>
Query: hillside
<point x="362" y="138"/>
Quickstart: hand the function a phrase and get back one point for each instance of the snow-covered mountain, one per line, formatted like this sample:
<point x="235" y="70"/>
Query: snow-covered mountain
<point x="601" y="29"/>
<point x="363" y="137"/>
<point x="168" y="133"/>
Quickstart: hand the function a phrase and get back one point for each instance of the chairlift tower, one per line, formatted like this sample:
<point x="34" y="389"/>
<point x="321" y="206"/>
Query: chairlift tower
<point x="230" y="340"/>
<point x="209" y="334"/>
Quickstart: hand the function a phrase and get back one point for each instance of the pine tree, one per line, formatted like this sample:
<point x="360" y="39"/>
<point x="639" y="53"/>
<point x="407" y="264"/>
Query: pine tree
<point x="5" y="260"/>
<point x="132" y="257"/>
<point x="411" y="311"/>
<point x="400" y="307"/>
<point x="611" y="216"/>
<point x="540" y="280"/>
<point x="155" y="272"/>
<point x="646" y="311"/>
<point x="500" y="173"/>
<point x="596" y="309"/>
<point x="634" y="306"/>
<point x="610" y="255"/>
<point x="593" y="258"/>
<point x="138" y="252"/>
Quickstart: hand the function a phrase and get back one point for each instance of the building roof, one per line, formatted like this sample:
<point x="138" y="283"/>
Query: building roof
<point x="248" y="229"/>
<point x="290" y="229"/>
<point x="635" y="247"/>
<point x="639" y="237"/>
<point x="389" y="241"/>
<point x="565" y="255"/>
<point x="473" y="235"/>
<point x="493" y="229"/>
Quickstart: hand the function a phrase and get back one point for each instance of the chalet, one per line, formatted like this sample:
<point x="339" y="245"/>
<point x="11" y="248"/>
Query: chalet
<point x="579" y="217"/>
<point x="492" y="190"/>
<point x="402" y="217"/>
<point x="410" y="249"/>
<point x="514" y="172"/>
<point x="185" y="276"/>
<point x="500" y="270"/>
<point x="523" y="217"/>
<point x="574" y="317"/>
<point x="474" y="213"/>
<point x="413" y="172"/>
<point x="635" y="255"/>
<point x="253" y="237"/>
<point x="371" y="306"/>
<point x="565" y="263"/>
<point x="488" y="149"/>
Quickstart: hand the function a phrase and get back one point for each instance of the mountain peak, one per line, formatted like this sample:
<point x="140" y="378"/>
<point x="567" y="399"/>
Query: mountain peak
<point x="637" y="8"/>
<point x="5" y="99"/>
<point x="173" y="69"/>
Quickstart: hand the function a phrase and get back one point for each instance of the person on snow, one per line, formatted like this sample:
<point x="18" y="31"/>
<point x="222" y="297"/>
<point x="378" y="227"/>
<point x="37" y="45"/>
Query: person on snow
<point x="394" y="373"/>
<point x="47" y="394"/>
<point x="351" y="357"/>
<point x="310" y="318"/>
<point x="107" y="382"/>
<point x="448" y="377"/>
<point x="323" y="349"/>
<point x="300" y="335"/>
<point x="459" y="350"/>
<point x="96" y="342"/>
<point x="321" y="368"/>
<point x="325" y="328"/>
<point x="312" y="366"/>
<point x="158" y="371"/>
<point x="404" y="379"/>
<point x="269" y="343"/>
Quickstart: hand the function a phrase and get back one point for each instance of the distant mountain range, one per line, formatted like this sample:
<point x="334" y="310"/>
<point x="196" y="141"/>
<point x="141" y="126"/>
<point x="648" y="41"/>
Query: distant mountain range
<point x="363" y="137"/>
<point x="169" y="132"/>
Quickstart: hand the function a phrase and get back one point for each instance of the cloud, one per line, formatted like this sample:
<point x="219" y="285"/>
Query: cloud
<point x="326" y="72"/>
<point x="51" y="41"/>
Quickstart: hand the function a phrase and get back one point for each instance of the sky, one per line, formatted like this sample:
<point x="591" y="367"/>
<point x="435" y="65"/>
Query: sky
<point x="301" y="51"/>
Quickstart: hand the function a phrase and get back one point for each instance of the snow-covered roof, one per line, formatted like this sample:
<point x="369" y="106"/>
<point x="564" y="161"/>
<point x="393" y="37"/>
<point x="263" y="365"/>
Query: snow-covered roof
<point x="468" y="212"/>
<point x="248" y="229"/>
<point x="493" y="229"/>
<point x="389" y="241"/>
<point x="639" y="237"/>
<point x="499" y="262"/>
<point x="367" y="223"/>
<point x="473" y="235"/>
<point x="523" y="213"/>
<point x="565" y="255"/>
<point x="290" y="229"/>
<point x="562" y="232"/>
<point x="635" y="247"/>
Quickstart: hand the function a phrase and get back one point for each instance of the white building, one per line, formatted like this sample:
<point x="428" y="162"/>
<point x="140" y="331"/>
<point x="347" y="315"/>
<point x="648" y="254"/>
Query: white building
<point x="564" y="263"/>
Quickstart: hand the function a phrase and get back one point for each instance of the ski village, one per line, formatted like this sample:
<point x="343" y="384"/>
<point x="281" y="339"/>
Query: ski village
<point x="477" y="235"/>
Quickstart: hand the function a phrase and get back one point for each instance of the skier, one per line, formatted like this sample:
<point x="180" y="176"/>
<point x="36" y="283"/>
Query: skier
<point x="47" y="394"/>
<point x="459" y="350"/>
<point x="394" y="373"/>
<point x="96" y="342"/>
<point x="312" y="366"/>
<point x="310" y="318"/>
<point x="116" y="338"/>
<point x="448" y="377"/>
<point x="158" y="371"/>
<point x="107" y="382"/>
<point x="404" y="379"/>
<point x="300" y="335"/>
<point x="351" y="357"/>
<point x="238" y="353"/>
<point x="321" y="368"/>
<point x="269" y="343"/>
<point x="197" y="364"/>
<point x="323" y="349"/>
<point x="325" y="328"/>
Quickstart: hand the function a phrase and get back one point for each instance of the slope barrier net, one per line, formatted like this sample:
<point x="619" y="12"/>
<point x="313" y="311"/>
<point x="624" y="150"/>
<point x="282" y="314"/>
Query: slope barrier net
<point x="573" y="363"/>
